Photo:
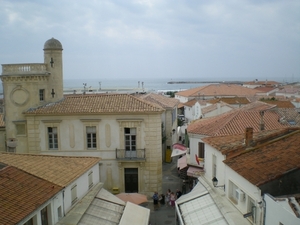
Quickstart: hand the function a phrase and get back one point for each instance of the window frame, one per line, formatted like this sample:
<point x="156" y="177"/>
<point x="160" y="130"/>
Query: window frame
<point x="53" y="137"/>
<point x="74" y="197"/>
<point x="130" y="138"/>
<point x="52" y="123"/>
<point x="91" y="137"/>
<point x="201" y="150"/>
<point x="91" y="123"/>
<point x="42" y="95"/>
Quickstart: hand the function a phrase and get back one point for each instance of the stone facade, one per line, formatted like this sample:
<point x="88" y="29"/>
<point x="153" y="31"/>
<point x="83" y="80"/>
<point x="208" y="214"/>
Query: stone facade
<point x="31" y="87"/>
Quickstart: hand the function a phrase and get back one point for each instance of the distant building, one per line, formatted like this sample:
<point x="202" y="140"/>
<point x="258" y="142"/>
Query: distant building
<point x="215" y="91"/>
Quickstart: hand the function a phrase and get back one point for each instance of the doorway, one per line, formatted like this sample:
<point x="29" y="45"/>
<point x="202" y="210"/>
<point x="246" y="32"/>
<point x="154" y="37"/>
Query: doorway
<point x="131" y="180"/>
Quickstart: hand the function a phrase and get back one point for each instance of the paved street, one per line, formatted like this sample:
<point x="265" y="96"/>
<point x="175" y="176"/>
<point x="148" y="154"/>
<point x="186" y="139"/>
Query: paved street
<point x="166" y="214"/>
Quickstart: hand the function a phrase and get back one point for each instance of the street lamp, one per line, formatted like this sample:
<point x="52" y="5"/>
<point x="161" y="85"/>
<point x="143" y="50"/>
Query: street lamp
<point x="215" y="183"/>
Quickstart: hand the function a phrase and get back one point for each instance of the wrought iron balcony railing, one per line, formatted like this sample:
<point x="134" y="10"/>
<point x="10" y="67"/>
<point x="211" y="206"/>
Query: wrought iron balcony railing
<point x="138" y="154"/>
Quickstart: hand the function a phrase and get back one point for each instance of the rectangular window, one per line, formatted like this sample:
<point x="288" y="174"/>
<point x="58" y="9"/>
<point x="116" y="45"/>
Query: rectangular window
<point x="130" y="139"/>
<point x="59" y="212"/>
<point x="251" y="208"/>
<point x="42" y="94"/>
<point x="90" y="179"/>
<point x="29" y="222"/>
<point x="91" y="139"/>
<point x="44" y="216"/>
<point x="74" y="194"/>
<point x="52" y="138"/>
<point x="233" y="194"/>
<point x="201" y="150"/>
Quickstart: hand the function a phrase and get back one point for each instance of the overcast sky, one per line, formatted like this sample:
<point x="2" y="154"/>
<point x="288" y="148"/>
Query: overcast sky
<point x="206" y="40"/>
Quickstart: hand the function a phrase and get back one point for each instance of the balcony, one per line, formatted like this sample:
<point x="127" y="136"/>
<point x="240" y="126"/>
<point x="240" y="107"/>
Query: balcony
<point x="131" y="155"/>
<point x="24" y="69"/>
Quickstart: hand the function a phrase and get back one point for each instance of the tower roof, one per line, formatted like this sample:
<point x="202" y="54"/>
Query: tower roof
<point x="53" y="44"/>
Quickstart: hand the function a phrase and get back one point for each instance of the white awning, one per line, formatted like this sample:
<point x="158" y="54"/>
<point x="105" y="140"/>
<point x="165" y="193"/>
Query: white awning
<point x="198" y="207"/>
<point x="181" y="162"/>
<point x="178" y="149"/>
<point x="135" y="214"/>
<point x="194" y="171"/>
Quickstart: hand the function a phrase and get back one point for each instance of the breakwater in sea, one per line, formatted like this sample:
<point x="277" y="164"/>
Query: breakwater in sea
<point x="205" y="82"/>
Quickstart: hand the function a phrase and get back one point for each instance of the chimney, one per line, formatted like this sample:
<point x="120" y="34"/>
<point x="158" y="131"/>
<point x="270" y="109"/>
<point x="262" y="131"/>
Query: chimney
<point x="248" y="136"/>
<point x="262" y="124"/>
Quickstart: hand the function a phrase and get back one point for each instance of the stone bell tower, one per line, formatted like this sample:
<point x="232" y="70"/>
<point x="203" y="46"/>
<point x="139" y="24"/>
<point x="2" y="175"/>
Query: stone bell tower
<point x="54" y="64"/>
<point x="30" y="85"/>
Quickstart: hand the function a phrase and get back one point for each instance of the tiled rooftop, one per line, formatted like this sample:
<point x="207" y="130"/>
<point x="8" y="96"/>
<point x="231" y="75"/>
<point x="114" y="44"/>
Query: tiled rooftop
<point x="219" y="90"/>
<point x="215" y="106"/>
<point x="21" y="193"/>
<point x="160" y="100"/>
<point x="97" y="103"/>
<point x="266" y="83"/>
<point x="268" y="161"/>
<point x="280" y="104"/>
<point x="193" y="102"/>
<point x="235" y="122"/>
<point x="60" y="170"/>
<point x="232" y="101"/>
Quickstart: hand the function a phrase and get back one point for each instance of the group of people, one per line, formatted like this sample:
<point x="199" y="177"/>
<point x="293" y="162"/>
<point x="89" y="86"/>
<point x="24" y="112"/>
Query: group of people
<point x="169" y="198"/>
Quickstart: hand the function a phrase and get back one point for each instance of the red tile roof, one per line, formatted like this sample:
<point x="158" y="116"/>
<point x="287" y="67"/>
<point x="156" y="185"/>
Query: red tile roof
<point x="95" y="104"/>
<point x="280" y="104"/>
<point x="269" y="160"/>
<point x="22" y="193"/>
<point x="219" y="90"/>
<point x="267" y="82"/>
<point x="235" y="121"/>
<point x="233" y="100"/>
<point x="213" y="107"/>
<point x="160" y="100"/>
<point x="61" y="170"/>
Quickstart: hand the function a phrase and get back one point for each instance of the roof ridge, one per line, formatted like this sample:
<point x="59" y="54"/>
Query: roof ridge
<point x="250" y="149"/>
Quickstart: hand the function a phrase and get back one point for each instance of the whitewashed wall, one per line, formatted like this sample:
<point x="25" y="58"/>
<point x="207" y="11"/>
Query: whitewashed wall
<point x="279" y="212"/>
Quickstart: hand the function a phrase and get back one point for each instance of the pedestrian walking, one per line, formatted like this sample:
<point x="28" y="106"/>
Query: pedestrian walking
<point x="172" y="199"/>
<point x="168" y="195"/>
<point x="178" y="194"/>
<point x="155" y="200"/>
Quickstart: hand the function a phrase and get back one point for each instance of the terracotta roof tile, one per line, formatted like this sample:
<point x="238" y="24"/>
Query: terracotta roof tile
<point x="219" y="90"/>
<point x="268" y="161"/>
<point x="21" y="193"/>
<point x="2" y="123"/>
<point x="95" y="104"/>
<point x="160" y="100"/>
<point x="213" y="107"/>
<point x="265" y="89"/>
<point x="280" y="104"/>
<point x="236" y="120"/>
<point x="234" y="100"/>
<point x="61" y="170"/>
<point x="192" y="102"/>
<point x="267" y="82"/>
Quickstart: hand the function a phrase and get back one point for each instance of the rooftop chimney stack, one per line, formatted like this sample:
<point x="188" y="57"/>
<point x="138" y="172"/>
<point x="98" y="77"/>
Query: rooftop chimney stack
<point x="248" y="136"/>
<point x="262" y="124"/>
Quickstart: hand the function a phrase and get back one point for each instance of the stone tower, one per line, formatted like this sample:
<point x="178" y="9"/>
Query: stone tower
<point x="53" y="60"/>
<point x="30" y="85"/>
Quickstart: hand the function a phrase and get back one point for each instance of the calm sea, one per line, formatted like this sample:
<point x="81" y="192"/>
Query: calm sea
<point x="153" y="85"/>
<point x="147" y="84"/>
